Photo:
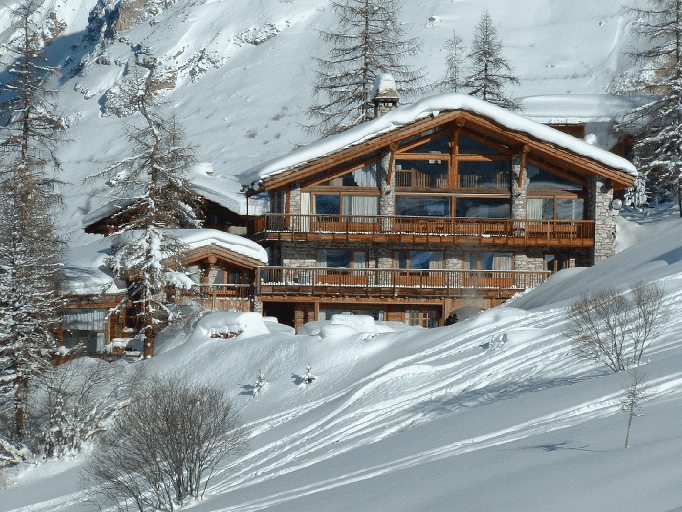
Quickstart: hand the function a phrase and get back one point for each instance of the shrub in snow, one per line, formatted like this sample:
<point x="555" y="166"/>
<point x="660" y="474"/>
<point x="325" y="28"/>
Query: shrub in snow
<point x="635" y="394"/>
<point x="260" y="382"/>
<point x="164" y="447"/>
<point x="609" y="327"/>
<point x="308" y="378"/>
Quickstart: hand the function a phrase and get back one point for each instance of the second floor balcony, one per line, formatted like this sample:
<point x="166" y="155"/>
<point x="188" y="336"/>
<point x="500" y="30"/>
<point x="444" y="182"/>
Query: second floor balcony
<point x="402" y="229"/>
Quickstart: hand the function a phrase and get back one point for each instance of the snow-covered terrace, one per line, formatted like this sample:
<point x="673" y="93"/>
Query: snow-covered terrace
<point x="432" y="106"/>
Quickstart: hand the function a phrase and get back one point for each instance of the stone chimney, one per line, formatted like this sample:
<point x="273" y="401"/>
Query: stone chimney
<point x="384" y="94"/>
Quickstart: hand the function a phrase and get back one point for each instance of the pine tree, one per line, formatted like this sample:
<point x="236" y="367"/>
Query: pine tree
<point x="30" y="248"/>
<point x="155" y="197"/>
<point x="657" y="124"/>
<point x="491" y="72"/>
<point x="453" y="81"/>
<point x="368" y="42"/>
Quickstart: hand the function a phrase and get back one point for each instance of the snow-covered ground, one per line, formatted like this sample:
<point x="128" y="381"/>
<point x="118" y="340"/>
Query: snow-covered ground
<point x="492" y="413"/>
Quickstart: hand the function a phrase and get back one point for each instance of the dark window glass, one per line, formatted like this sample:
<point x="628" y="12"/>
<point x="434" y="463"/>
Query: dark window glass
<point x="327" y="204"/>
<point x="366" y="176"/>
<point x="338" y="258"/>
<point x="484" y="174"/>
<point x="471" y="147"/>
<point x="554" y="262"/>
<point x="420" y="206"/>
<point x="569" y="209"/>
<point x="543" y="180"/>
<point x="483" y="208"/>
<point x="439" y="145"/>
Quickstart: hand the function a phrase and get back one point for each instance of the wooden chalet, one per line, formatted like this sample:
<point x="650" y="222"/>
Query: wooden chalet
<point x="446" y="203"/>
<point x="223" y="267"/>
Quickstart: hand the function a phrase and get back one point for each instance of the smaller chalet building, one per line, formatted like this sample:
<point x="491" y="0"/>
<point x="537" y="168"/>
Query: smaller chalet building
<point x="222" y="266"/>
<point x="445" y="203"/>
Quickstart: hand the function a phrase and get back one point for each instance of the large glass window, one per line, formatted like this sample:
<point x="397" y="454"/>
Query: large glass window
<point x="366" y="176"/>
<point x="569" y="209"/>
<point x="437" y="145"/>
<point x="550" y="208"/>
<point x="327" y="204"/>
<point x="488" y="261"/>
<point x="334" y="204"/>
<point x="419" y="260"/>
<point x="422" y="206"/>
<point x="341" y="258"/>
<point x="493" y="174"/>
<point x="472" y="147"/>
<point x="422" y="173"/>
<point x="543" y="180"/>
<point x="483" y="208"/>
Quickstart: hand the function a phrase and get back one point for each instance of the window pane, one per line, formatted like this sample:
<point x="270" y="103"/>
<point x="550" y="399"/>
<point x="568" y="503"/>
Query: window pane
<point x="554" y="262"/>
<point x="471" y="147"/>
<point x="569" y="209"/>
<point x="543" y="180"/>
<point x="503" y="261"/>
<point x="360" y="205"/>
<point x="86" y="319"/>
<point x="422" y="173"/>
<point x="439" y="145"/>
<point x="333" y="258"/>
<point x="424" y="260"/>
<point x="483" y="208"/>
<point x="401" y="259"/>
<point x="470" y="261"/>
<point x="422" y="206"/>
<point x="484" y="174"/>
<point x="327" y="204"/>
<point x="359" y="259"/>
<point x="541" y="208"/>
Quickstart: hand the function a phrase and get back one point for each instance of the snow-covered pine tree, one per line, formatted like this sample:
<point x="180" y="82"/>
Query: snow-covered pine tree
<point x="657" y="124"/>
<point x="368" y="41"/>
<point x="453" y="81"/>
<point x="30" y="248"/>
<point x="155" y="197"/>
<point x="490" y="71"/>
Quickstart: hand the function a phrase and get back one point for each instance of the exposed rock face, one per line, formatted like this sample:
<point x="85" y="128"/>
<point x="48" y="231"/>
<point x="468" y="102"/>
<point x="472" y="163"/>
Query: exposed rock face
<point x="129" y="12"/>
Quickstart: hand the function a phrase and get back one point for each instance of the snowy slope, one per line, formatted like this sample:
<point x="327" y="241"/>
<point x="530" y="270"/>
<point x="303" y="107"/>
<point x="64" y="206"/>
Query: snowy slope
<point x="243" y="72"/>
<point x="492" y="413"/>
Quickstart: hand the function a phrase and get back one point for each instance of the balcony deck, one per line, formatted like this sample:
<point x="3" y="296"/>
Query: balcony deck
<point x="422" y="230"/>
<point x="311" y="283"/>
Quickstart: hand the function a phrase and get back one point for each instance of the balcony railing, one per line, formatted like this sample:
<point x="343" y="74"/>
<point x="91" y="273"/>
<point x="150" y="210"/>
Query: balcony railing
<point x="374" y="282"/>
<point x="220" y="296"/>
<point x="511" y="231"/>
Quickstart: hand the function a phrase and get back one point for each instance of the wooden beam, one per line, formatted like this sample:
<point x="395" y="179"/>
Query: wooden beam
<point x="524" y="152"/>
<point x="341" y="171"/>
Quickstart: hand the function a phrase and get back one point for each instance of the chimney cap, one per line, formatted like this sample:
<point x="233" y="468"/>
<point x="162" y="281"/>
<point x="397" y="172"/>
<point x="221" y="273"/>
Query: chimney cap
<point x="384" y="88"/>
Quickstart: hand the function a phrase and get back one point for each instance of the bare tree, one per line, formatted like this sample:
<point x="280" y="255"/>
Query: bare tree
<point x="154" y="196"/>
<point x="637" y="392"/>
<point x="609" y="327"/>
<point x="454" y="79"/>
<point x="30" y="248"/>
<point x="368" y="42"/>
<point x="164" y="448"/>
<point x="490" y="71"/>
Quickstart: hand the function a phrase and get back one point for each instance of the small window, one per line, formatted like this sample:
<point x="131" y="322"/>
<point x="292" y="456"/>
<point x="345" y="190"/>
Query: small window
<point x="556" y="262"/>
<point x="424" y="318"/>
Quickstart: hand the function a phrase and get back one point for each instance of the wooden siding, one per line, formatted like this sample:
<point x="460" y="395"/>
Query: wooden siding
<point x="382" y="229"/>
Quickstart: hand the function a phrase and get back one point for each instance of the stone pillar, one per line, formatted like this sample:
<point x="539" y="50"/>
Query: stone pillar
<point x="518" y="193"/>
<point x="599" y="199"/>
<point x="387" y="190"/>
<point x="295" y="199"/>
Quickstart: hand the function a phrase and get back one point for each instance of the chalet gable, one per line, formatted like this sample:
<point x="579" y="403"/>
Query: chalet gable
<point x="406" y="128"/>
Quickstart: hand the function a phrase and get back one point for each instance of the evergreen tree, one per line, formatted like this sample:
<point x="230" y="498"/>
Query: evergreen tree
<point x="30" y="249"/>
<point x="490" y="72"/>
<point x="657" y="124"/>
<point x="368" y="42"/>
<point x="453" y="81"/>
<point x="155" y="197"/>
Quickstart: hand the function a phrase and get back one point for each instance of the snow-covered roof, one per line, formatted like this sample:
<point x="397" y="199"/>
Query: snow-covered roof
<point x="576" y="108"/>
<point x="86" y="274"/>
<point x="384" y="86"/>
<point x="432" y="106"/>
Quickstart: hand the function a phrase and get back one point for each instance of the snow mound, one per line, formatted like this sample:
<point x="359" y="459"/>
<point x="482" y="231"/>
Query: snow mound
<point x="245" y="325"/>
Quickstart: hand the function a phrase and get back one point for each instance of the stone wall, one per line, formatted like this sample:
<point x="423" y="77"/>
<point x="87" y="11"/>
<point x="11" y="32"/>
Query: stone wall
<point x="518" y="193"/>
<point x="599" y="199"/>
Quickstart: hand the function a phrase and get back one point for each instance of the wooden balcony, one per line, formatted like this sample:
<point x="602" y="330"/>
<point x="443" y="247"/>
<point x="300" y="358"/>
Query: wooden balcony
<point x="319" y="282"/>
<point x="421" y="230"/>
<point x="219" y="296"/>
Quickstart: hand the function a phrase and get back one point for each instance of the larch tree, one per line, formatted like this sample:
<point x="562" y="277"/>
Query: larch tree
<point x="154" y="197"/>
<point x="657" y="123"/>
<point x="490" y="71"/>
<point x="30" y="247"/>
<point x="454" y="78"/>
<point x="368" y="41"/>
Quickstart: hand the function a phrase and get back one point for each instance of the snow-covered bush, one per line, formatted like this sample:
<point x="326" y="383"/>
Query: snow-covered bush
<point x="308" y="378"/>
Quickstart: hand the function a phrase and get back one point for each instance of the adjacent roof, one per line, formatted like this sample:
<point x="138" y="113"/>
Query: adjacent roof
<point x="390" y="128"/>
<point x="577" y="108"/>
